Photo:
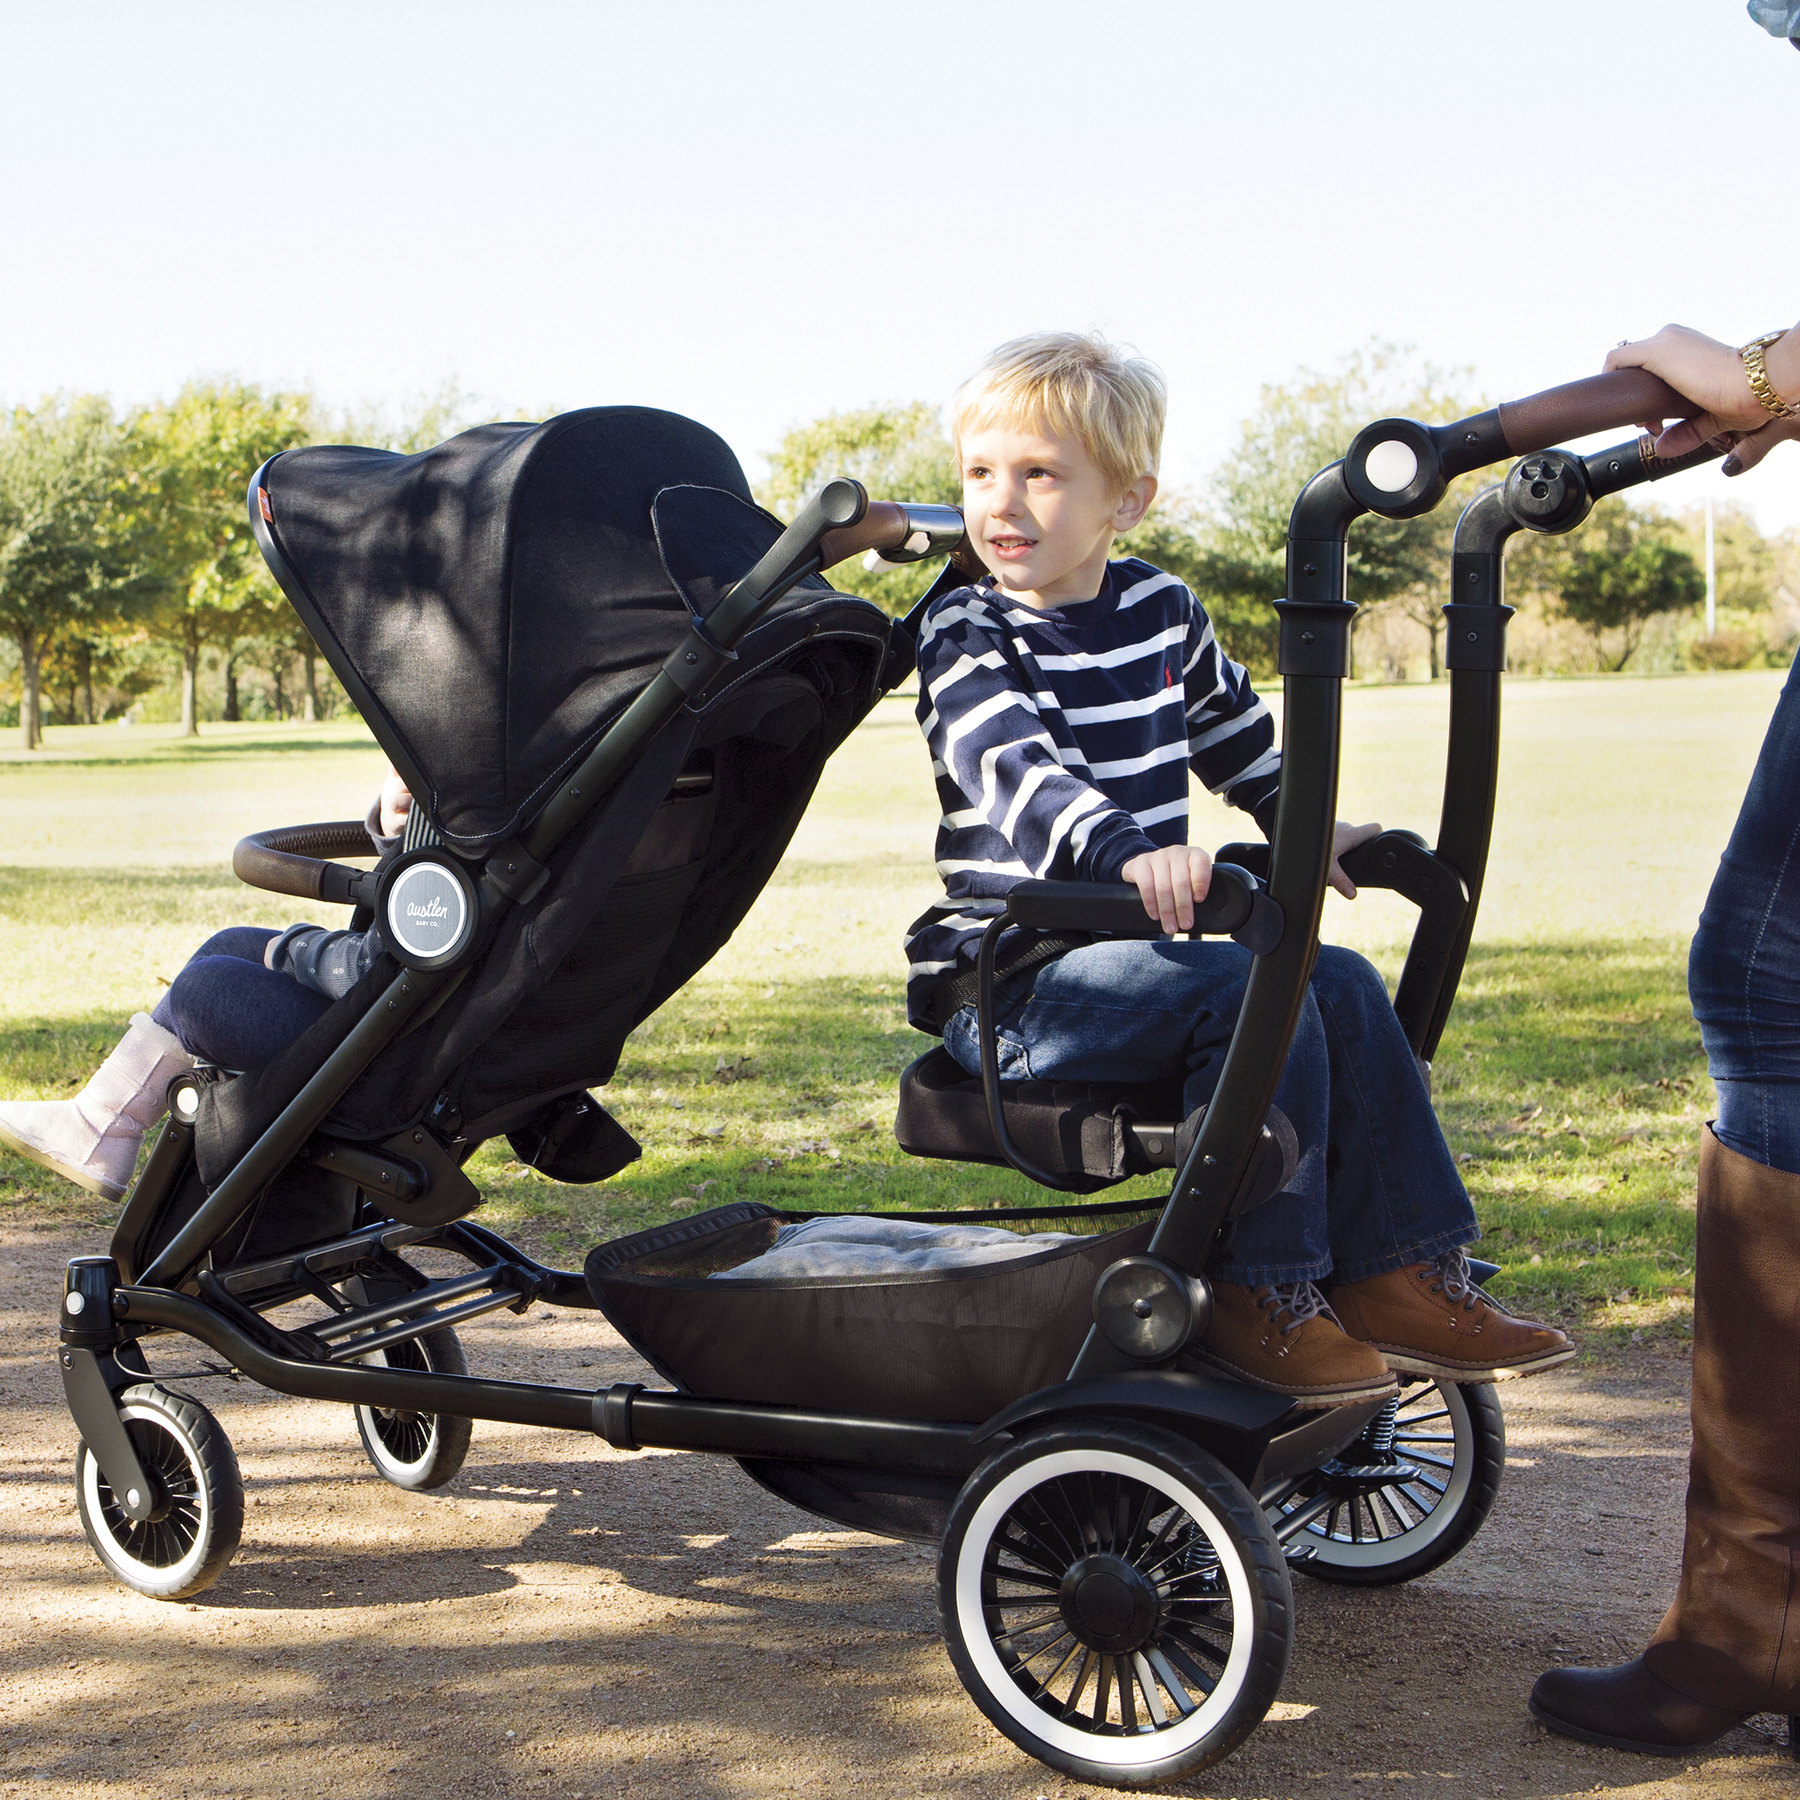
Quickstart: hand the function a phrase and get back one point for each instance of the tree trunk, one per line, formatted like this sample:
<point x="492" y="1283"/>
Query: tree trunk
<point x="31" y="656"/>
<point x="311" y="660"/>
<point x="190" y="686"/>
<point x="1431" y="631"/>
<point x="84" y="663"/>
<point x="231" y="689"/>
<point x="281" y="705"/>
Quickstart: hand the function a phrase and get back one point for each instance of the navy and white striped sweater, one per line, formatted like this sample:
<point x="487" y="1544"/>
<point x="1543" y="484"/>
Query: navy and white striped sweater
<point x="1061" y="743"/>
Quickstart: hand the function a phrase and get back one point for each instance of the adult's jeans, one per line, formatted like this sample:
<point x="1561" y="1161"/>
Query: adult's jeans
<point x="226" y="1008"/>
<point x="1744" y="967"/>
<point x="1376" y="1188"/>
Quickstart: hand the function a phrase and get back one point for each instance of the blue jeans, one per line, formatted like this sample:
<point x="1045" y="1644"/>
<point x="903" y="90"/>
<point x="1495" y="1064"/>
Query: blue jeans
<point x="1376" y="1188"/>
<point x="1744" y="968"/>
<point x="226" y="1008"/>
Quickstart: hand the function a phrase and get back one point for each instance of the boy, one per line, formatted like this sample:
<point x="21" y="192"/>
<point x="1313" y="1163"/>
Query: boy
<point x="1064" y="697"/>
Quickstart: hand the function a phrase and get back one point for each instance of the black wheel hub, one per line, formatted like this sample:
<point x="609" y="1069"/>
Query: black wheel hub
<point x="1109" y="1604"/>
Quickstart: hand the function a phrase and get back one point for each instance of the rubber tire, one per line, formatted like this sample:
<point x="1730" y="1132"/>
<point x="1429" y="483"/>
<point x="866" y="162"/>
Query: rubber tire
<point x="447" y="1437"/>
<point x="1246" y="1539"/>
<point x="1479" y="1462"/>
<point x="159" y="1421"/>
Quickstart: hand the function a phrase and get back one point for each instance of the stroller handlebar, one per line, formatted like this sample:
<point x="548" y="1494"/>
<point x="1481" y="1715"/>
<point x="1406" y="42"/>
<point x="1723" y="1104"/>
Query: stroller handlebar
<point x="896" y="531"/>
<point x="1598" y="403"/>
<point x="295" y="859"/>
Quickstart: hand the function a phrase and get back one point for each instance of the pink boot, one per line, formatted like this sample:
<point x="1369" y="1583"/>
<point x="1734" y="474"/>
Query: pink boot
<point x="93" y="1139"/>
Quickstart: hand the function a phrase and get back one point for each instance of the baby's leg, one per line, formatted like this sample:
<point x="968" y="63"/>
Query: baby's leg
<point x="228" y="1009"/>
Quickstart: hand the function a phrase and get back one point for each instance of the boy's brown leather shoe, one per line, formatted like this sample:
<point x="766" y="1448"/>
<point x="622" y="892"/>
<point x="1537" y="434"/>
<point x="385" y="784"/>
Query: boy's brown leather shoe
<point x="1286" y="1339"/>
<point x="1431" y="1319"/>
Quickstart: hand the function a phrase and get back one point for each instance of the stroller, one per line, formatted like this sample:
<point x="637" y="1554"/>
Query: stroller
<point x="610" y="682"/>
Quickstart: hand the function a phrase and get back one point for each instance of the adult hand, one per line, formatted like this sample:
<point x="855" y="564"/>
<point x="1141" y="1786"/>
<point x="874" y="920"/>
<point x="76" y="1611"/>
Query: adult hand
<point x="396" y="804"/>
<point x="1711" y="375"/>
<point x="1169" y="881"/>
<point x="1345" y="836"/>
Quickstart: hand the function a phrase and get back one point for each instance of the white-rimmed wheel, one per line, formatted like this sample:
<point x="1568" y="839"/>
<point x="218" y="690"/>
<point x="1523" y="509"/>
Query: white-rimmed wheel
<point x="1114" y="1601"/>
<point x="417" y="1450"/>
<point x="199" y="1521"/>
<point x="1406" y="1496"/>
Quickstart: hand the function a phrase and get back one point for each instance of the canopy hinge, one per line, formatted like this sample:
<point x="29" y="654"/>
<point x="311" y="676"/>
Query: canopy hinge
<point x="694" y="663"/>
<point x="516" y="872"/>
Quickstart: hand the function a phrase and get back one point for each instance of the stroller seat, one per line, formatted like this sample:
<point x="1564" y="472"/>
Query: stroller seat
<point x="1092" y="1134"/>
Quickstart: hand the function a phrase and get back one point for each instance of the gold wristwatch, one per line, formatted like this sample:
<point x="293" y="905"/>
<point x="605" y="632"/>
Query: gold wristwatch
<point x="1757" y="376"/>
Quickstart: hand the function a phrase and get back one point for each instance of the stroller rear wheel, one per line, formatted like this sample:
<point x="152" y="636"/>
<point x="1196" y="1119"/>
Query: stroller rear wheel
<point x="194" y="1533"/>
<point x="415" y="1450"/>
<point x="1448" y="1445"/>
<point x="1115" y="1603"/>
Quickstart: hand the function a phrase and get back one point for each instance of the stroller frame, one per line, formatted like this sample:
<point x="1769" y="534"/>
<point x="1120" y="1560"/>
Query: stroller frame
<point x="1146" y="1308"/>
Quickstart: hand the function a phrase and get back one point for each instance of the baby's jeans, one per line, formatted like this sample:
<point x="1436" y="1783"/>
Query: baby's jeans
<point x="1744" y="968"/>
<point x="1376" y="1188"/>
<point x="228" y="1009"/>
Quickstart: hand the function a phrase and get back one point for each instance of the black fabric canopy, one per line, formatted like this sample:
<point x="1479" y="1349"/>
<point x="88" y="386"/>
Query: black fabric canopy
<point x="491" y="604"/>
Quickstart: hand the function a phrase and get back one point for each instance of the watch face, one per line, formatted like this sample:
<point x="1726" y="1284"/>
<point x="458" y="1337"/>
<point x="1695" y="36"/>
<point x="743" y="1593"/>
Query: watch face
<point x="426" y="910"/>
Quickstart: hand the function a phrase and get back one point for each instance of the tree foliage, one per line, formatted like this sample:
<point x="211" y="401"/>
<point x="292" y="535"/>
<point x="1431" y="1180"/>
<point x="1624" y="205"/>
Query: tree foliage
<point x="69" y="550"/>
<point x="1613" y="575"/>
<point x="896" y="452"/>
<point x="197" y="455"/>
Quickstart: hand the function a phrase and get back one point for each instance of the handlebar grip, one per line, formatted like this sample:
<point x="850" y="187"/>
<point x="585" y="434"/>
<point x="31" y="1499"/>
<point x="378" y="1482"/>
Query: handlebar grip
<point x="292" y="859"/>
<point x="1619" y="397"/>
<point x="882" y="527"/>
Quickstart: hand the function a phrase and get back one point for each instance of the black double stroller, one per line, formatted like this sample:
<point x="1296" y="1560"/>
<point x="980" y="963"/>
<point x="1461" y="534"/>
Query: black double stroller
<point x="610" y="682"/>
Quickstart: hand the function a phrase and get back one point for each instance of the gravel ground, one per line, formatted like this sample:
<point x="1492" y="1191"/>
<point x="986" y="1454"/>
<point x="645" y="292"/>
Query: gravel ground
<point x="569" y="1620"/>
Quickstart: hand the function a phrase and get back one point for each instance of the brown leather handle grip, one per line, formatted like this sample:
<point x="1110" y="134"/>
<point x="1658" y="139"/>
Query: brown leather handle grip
<point x="882" y="527"/>
<point x="293" y="859"/>
<point x="1620" y="397"/>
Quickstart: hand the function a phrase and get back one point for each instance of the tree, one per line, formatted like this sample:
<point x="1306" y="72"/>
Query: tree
<point x="199" y="454"/>
<point x="896" y="452"/>
<point x="64" y="557"/>
<point x="1614" y="574"/>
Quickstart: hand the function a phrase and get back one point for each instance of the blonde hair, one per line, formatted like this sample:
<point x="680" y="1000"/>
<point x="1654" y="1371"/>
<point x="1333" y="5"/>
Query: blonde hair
<point x="1075" y="385"/>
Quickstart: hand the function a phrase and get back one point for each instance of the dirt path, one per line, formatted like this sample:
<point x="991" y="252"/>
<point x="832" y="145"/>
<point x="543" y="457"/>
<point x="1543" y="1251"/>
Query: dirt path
<point x="569" y="1620"/>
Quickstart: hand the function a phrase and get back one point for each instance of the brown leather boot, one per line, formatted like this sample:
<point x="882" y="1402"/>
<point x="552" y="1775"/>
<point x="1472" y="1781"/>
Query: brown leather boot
<point x="1286" y="1339"/>
<point x="1730" y="1645"/>
<point x="1431" y="1319"/>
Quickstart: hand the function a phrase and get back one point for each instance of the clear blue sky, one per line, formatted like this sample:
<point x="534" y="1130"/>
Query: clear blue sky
<point x="754" y="214"/>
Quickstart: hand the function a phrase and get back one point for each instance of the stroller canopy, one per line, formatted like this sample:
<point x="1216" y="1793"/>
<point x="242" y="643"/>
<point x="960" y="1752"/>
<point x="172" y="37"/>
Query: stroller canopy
<point x="490" y="605"/>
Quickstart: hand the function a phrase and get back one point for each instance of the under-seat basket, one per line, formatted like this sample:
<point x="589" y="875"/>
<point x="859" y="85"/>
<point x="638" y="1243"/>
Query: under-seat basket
<point x="952" y="1344"/>
<point x="1091" y="1133"/>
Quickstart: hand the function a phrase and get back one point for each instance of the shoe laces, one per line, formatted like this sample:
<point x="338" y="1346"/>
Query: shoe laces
<point x="1456" y="1280"/>
<point x="1299" y="1299"/>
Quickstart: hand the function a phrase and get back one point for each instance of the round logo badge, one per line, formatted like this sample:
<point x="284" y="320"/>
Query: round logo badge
<point x="426" y="911"/>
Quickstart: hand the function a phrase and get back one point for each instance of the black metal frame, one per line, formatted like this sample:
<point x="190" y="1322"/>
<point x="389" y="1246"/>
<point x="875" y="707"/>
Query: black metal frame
<point x="107" y="1308"/>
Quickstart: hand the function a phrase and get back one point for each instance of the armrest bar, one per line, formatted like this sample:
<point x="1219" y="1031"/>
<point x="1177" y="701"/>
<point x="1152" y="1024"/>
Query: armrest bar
<point x="1118" y="911"/>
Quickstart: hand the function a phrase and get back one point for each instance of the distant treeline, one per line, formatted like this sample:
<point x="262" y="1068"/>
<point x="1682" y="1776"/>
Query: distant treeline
<point x="129" y="583"/>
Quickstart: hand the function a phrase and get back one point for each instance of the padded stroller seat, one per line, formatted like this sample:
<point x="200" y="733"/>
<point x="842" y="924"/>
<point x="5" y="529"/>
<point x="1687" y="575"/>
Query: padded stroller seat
<point x="1092" y="1133"/>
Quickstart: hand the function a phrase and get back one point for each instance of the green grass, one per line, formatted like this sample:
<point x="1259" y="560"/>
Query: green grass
<point x="1570" y="1082"/>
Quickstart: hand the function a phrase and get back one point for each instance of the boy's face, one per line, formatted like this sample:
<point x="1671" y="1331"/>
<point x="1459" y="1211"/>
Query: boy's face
<point x="1041" y="514"/>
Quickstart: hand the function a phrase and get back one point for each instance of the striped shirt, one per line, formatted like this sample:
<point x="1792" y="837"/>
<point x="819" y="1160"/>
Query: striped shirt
<point x="1061" y="743"/>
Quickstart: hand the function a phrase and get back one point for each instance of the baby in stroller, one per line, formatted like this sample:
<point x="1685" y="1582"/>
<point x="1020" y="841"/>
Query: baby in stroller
<point x="246" y="993"/>
<point x="1064" y="697"/>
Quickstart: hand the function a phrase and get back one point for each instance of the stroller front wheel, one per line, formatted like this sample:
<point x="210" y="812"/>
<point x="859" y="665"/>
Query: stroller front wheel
<point x="413" y="1450"/>
<point x="1115" y="1603"/>
<point x="199" y="1522"/>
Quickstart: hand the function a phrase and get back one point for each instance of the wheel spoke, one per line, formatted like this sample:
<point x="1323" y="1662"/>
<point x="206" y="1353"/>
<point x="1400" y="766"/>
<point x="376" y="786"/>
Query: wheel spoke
<point x="1185" y="1702"/>
<point x="1147" y="1681"/>
<point x="1073" y="1704"/>
<point x="1037" y="1624"/>
<point x="1103" y="1686"/>
<point x="1022" y="1577"/>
